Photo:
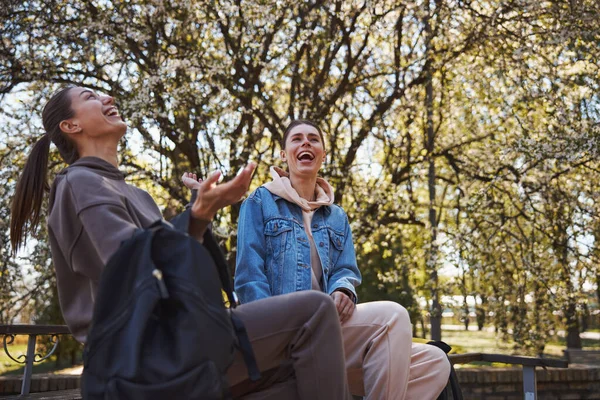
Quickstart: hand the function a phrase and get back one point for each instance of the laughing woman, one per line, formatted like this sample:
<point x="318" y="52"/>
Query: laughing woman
<point x="92" y="210"/>
<point x="291" y="237"/>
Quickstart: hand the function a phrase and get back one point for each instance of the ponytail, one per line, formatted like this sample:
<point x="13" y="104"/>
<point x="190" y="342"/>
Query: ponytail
<point x="33" y="183"/>
<point x="29" y="194"/>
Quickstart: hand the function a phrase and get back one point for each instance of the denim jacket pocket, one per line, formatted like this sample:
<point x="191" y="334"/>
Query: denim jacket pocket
<point x="277" y="234"/>
<point x="337" y="245"/>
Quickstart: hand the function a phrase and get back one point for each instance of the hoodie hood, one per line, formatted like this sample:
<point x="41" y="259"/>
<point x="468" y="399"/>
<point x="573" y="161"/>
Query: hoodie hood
<point x="98" y="165"/>
<point x="282" y="187"/>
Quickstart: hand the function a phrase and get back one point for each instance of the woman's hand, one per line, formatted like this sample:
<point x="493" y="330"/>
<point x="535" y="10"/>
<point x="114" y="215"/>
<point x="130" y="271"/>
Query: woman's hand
<point x="212" y="197"/>
<point x="345" y="306"/>
<point x="191" y="181"/>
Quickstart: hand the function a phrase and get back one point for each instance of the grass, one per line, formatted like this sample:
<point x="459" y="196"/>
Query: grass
<point x="6" y="364"/>
<point x="9" y="367"/>
<point x="487" y="342"/>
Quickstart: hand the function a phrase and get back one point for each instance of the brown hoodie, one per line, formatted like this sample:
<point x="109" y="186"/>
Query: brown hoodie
<point x="282" y="187"/>
<point x="92" y="210"/>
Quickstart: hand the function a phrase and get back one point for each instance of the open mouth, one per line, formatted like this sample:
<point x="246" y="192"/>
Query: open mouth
<point x="112" y="112"/>
<point x="306" y="156"/>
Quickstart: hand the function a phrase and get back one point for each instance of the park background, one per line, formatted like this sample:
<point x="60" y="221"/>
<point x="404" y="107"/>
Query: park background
<point x="462" y="139"/>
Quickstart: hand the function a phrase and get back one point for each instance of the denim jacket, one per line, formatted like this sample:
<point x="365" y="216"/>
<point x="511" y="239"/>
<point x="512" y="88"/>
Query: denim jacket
<point x="273" y="250"/>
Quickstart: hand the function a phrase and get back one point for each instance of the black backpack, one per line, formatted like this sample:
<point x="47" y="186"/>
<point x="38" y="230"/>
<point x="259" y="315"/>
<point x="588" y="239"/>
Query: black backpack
<point x="452" y="391"/>
<point x="160" y="328"/>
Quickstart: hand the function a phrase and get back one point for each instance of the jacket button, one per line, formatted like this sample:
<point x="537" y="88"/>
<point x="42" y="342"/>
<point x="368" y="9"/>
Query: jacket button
<point x="275" y="227"/>
<point x="315" y="226"/>
<point x="321" y="244"/>
<point x="339" y="243"/>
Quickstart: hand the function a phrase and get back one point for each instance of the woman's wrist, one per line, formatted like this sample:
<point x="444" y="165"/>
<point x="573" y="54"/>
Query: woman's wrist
<point x="201" y="214"/>
<point x="348" y="293"/>
<point x="198" y="225"/>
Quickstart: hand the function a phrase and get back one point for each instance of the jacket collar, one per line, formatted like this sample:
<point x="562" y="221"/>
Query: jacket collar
<point x="98" y="165"/>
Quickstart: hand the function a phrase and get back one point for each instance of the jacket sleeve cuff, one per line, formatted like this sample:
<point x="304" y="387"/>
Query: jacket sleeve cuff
<point x="192" y="199"/>
<point x="349" y="291"/>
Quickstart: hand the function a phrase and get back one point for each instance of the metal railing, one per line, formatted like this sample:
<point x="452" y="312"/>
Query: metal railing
<point x="9" y="332"/>
<point x="529" y="364"/>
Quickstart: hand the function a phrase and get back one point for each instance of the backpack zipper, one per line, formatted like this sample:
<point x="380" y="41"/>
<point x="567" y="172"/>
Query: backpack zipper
<point x="164" y="293"/>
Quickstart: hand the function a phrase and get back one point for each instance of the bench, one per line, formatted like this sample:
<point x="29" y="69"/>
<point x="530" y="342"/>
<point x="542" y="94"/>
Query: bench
<point x="73" y="394"/>
<point x="529" y="364"/>
<point x="578" y="356"/>
<point x="10" y="331"/>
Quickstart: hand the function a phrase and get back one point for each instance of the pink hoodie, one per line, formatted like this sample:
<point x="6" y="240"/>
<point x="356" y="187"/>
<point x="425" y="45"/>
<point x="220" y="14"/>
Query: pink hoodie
<point x="282" y="187"/>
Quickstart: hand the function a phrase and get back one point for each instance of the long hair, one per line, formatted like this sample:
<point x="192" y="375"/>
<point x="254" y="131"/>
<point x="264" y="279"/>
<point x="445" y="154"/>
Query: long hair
<point x="33" y="183"/>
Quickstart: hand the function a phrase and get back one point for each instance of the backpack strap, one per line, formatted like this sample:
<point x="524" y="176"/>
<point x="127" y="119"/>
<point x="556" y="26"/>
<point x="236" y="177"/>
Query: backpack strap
<point x="181" y="222"/>
<point x="240" y="330"/>
<point x="245" y="347"/>
<point x="452" y="379"/>
<point x="217" y="255"/>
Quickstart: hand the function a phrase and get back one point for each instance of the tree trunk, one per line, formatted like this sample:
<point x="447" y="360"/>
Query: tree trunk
<point x="561" y="247"/>
<point x="538" y="306"/>
<point x="571" y="318"/>
<point x="466" y="319"/>
<point x="480" y="313"/>
<point x="436" y="308"/>
<point x="598" y="286"/>
<point x="465" y="307"/>
<point x="585" y="316"/>
<point x="573" y="339"/>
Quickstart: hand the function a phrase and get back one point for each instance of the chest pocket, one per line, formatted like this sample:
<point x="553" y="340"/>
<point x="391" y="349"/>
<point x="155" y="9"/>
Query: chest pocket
<point x="337" y="241"/>
<point x="277" y="234"/>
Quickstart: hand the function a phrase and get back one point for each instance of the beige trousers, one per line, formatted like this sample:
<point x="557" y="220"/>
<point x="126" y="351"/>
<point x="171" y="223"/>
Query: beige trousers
<point x="382" y="362"/>
<point x="298" y="336"/>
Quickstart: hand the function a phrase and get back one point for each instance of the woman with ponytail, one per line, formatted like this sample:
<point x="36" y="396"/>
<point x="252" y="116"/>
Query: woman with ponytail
<point x="29" y="195"/>
<point x="92" y="209"/>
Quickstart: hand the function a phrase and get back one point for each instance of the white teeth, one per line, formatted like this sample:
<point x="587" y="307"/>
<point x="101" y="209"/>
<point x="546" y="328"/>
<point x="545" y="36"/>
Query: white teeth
<point x="306" y="153"/>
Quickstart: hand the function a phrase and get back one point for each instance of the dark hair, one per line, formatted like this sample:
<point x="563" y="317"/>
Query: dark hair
<point x="29" y="194"/>
<point x="297" y="122"/>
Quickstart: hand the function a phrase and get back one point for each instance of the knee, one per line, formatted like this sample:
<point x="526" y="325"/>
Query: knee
<point x="395" y="311"/>
<point x="440" y="362"/>
<point x="314" y="302"/>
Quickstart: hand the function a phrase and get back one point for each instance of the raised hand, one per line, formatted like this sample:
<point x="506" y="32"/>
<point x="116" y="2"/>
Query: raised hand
<point x="212" y="197"/>
<point x="191" y="181"/>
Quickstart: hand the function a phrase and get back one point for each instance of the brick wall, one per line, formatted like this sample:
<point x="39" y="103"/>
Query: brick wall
<point x="477" y="383"/>
<point x="507" y="383"/>
<point x="39" y="383"/>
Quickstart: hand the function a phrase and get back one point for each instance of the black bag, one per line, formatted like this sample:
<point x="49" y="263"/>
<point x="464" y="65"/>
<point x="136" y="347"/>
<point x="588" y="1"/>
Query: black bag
<point x="160" y="328"/>
<point x="452" y="391"/>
